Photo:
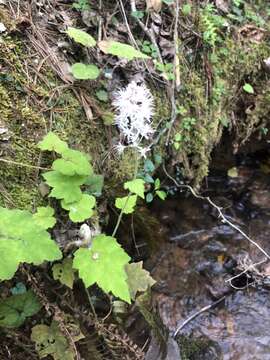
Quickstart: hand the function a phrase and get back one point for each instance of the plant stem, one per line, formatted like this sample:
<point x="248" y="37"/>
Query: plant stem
<point x="24" y="165"/>
<point x="91" y="303"/>
<point x="122" y="210"/>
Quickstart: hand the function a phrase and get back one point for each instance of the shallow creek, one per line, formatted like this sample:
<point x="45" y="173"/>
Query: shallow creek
<point x="201" y="253"/>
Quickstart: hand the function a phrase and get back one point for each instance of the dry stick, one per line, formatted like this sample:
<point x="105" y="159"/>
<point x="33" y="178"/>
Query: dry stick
<point x="149" y="32"/>
<point x="204" y="309"/>
<point x="220" y="213"/>
<point x="176" y="80"/>
<point x="24" y="165"/>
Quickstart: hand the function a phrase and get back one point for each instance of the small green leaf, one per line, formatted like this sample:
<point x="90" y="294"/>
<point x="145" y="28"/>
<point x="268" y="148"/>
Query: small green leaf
<point x="186" y="9"/>
<point x="136" y="187"/>
<point x="102" y="95"/>
<point x="81" y="210"/>
<point x="64" y="187"/>
<point x="149" y="167"/>
<point x="64" y="272"/>
<point x="121" y="50"/>
<point x="158" y="159"/>
<point x="137" y="14"/>
<point x="176" y="145"/>
<point x="149" y="197"/>
<point x="161" y="194"/>
<point x="177" y="137"/>
<point x="138" y="279"/>
<point x="52" y="142"/>
<point x="85" y="72"/>
<point x="148" y="179"/>
<point x="126" y="204"/>
<point x="73" y="162"/>
<point x="44" y="217"/>
<point x="248" y="88"/>
<point x="15" y="309"/>
<point x="81" y="37"/>
<point x="94" y="184"/>
<point x="157" y="184"/>
<point x="104" y="264"/>
<point x="233" y="172"/>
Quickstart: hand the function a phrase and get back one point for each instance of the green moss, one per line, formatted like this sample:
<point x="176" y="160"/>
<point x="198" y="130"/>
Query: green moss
<point x="192" y="349"/>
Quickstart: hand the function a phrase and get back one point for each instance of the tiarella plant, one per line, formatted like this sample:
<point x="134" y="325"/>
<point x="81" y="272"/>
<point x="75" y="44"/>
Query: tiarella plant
<point x="25" y="239"/>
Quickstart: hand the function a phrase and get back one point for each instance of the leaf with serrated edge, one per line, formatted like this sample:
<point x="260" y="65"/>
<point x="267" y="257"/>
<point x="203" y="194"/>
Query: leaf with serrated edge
<point x="73" y="162"/>
<point x="64" y="272"/>
<point x="138" y="279"/>
<point x="126" y="204"/>
<point x="64" y="187"/>
<point x="81" y="210"/>
<point x="51" y="142"/>
<point x="22" y="240"/>
<point x="104" y="264"/>
<point x="121" y="50"/>
<point x="15" y="309"/>
<point x="81" y="37"/>
<point x="44" y="217"/>
<point x="136" y="187"/>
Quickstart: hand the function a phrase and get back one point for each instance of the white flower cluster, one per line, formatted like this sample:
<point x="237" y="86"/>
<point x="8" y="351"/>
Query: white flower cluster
<point x="135" y="107"/>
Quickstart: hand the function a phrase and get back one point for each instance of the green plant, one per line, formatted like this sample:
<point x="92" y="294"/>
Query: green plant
<point x="166" y="70"/>
<point x="149" y="48"/>
<point x="156" y="192"/>
<point x="90" y="71"/>
<point x="211" y="24"/>
<point x="81" y="5"/>
<point x="24" y="237"/>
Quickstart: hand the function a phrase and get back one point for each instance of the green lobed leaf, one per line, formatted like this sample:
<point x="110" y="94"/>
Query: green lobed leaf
<point x="102" y="95"/>
<point x="22" y="240"/>
<point x="80" y="210"/>
<point x="104" y="264"/>
<point x="15" y="309"/>
<point x="81" y="37"/>
<point x="126" y="204"/>
<point x="44" y="217"/>
<point x="136" y="187"/>
<point x="138" y="279"/>
<point x="64" y="272"/>
<point x="51" y="142"/>
<point x="121" y="50"/>
<point x="64" y="187"/>
<point x="85" y="71"/>
<point x="73" y="162"/>
<point x="51" y="341"/>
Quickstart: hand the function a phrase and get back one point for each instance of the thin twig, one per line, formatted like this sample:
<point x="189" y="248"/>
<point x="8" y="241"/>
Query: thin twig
<point x="176" y="79"/>
<point x="219" y="209"/>
<point x="193" y="316"/>
<point x="23" y="165"/>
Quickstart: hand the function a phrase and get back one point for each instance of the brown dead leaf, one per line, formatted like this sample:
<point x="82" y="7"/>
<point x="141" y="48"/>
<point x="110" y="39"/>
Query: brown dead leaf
<point x="154" y="5"/>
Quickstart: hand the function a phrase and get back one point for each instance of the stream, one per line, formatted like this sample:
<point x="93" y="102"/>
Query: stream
<point x="200" y="253"/>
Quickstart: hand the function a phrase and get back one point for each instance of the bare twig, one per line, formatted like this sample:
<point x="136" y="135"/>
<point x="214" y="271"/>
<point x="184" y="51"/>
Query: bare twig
<point x="219" y="209"/>
<point x="193" y="316"/>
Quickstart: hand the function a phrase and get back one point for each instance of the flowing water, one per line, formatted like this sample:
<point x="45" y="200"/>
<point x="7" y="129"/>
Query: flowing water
<point x="201" y="253"/>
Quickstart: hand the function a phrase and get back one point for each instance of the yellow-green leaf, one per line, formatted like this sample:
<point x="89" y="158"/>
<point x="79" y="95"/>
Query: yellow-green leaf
<point x="138" y="279"/>
<point x="64" y="272"/>
<point x="81" y="37"/>
<point x="136" y="187"/>
<point x="121" y="50"/>
<point x="126" y="204"/>
<point x="85" y="71"/>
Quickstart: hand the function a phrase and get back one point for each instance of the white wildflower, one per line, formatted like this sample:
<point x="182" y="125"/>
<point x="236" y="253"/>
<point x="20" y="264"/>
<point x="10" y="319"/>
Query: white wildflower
<point x="135" y="107"/>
